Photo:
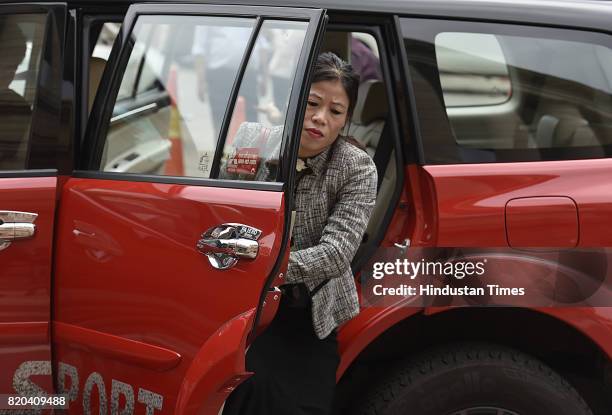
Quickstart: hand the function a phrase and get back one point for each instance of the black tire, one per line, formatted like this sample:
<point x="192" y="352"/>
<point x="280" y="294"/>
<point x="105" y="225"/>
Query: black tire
<point x="478" y="379"/>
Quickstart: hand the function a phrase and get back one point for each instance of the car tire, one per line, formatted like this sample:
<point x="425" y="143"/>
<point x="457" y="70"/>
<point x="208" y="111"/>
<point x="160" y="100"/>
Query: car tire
<point x="473" y="379"/>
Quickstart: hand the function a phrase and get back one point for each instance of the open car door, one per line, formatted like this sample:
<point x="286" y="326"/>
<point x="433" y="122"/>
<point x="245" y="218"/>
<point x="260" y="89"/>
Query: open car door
<point x="162" y="267"/>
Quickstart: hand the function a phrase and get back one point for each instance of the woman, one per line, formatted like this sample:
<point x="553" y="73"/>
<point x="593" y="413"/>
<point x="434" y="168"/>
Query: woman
<point x="296" y="358"/>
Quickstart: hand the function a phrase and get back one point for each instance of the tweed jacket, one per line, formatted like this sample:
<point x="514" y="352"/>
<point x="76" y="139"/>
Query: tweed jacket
<point x="333" y="203"/>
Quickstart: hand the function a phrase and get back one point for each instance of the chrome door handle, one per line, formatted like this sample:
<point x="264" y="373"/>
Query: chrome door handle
<point x="12" y="231"/>
<point x="244" y="248"/>
<point x="224" y="244"/>
<point x="15" y="225"/>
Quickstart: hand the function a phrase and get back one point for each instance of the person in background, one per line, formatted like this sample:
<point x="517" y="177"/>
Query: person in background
<point x="218" y="52"/>
<point x="364" y="61"/>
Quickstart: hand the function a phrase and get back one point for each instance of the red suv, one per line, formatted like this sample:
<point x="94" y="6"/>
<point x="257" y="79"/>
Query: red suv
<point x="490" y="124"/>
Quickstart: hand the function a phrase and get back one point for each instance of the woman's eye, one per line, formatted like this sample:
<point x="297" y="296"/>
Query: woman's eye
<point x="311" y="103"/>
<point x="336" y="112"/>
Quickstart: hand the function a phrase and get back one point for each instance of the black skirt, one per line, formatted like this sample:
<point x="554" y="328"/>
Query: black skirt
<point x="295" y="371"/>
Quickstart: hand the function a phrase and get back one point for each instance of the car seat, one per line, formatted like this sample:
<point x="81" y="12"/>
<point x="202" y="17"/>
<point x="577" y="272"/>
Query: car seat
<point x="369" y="127"/>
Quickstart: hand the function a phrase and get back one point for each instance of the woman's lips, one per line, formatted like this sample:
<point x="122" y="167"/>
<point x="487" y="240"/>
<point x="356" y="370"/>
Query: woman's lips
<point x="314" y="133"/>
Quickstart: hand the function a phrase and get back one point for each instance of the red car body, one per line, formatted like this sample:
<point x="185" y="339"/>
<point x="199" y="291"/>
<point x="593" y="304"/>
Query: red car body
<point x="109" y="305"/>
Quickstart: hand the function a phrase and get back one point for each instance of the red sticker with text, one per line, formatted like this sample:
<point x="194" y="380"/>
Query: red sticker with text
<point x="244" y="161"/>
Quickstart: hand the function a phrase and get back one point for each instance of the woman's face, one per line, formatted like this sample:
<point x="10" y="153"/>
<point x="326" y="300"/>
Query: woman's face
<point x="326" y="114"/>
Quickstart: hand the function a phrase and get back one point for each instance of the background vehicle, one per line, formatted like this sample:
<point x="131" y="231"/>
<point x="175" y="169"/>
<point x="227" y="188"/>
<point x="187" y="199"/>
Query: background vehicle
<point x="489" y="125"/>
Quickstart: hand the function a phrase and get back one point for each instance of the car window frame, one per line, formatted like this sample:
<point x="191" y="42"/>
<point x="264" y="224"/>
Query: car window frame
<point x="99" y="119"/>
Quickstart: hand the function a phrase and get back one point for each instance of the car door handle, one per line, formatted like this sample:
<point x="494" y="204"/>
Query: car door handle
<point x="16" y="225"/>
<point x="12" y="231"/>
<point x="224" y="244"/>
<point x="244" y="248"/>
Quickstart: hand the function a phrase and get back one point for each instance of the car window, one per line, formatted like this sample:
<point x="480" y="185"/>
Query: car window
<point x="495" y="93"/>
<point x="154" y="55"/>
<point x="21" y="42"/>
<point x="176" y="88"/>
<point x="262" y="101"/>
<point x="136" y="65"/>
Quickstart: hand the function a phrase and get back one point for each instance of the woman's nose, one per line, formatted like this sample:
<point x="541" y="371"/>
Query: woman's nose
<point x="319" y="116"/>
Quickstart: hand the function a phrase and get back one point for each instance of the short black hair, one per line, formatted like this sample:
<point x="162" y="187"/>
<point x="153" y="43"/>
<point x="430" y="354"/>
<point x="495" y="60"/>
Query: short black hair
<point x="329" y="67"/>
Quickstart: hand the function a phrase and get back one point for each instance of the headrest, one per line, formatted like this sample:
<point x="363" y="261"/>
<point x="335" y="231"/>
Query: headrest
<point x="371" y="102"/>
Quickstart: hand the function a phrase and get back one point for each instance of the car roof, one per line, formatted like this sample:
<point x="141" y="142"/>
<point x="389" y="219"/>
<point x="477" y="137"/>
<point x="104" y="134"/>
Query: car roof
<point x="594" y="14"/>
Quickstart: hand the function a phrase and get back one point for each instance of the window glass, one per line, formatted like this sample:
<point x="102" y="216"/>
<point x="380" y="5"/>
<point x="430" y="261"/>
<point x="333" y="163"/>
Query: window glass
<point x="136" y="63"/>
<point x="21" y="42"/>
<point x="155" y="57"/>
<point x="258" y="117"/>
<point x="495" y="93"/>
<point x="173" y="94"/>
<point x="472" y="69"/>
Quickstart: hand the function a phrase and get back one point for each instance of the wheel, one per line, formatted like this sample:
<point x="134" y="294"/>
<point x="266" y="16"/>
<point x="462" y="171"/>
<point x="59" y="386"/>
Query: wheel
<point x="473" y="379"/>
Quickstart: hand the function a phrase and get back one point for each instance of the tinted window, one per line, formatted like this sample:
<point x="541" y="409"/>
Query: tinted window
<point x="495" y="93"/>
<point x="21" y="42"/>
<point x="473" y="70"/>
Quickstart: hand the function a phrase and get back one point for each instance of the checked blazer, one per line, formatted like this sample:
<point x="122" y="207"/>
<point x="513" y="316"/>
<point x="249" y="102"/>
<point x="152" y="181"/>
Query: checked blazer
<point x="333" y="202"/>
